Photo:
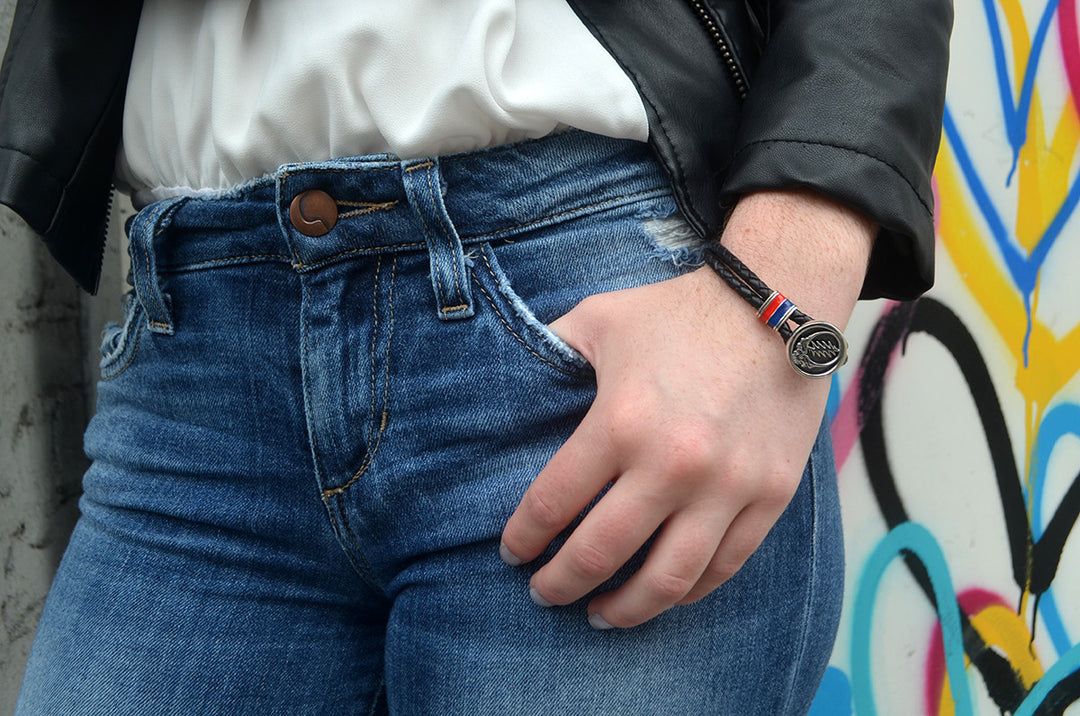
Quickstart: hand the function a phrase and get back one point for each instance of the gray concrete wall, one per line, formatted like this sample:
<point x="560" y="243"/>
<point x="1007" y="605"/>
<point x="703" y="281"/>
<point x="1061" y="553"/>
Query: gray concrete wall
<point x="49" y="333"/>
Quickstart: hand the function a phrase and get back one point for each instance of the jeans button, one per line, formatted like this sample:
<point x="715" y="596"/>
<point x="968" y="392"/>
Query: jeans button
<point x="313" y="212"/>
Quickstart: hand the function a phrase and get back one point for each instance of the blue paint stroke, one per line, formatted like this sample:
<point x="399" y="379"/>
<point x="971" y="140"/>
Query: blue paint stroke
<point x="1016" y="115"/>
<point x="833" y="697"/>
<point x="1053" y="623"/>
<point x="1061" y="669"/>
<point x="917" y="540"/>
<point x="835" y="395"/>
<point x="1024" y="270"/>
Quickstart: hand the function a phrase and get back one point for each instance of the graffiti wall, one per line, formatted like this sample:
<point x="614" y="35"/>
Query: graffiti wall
<point x="957" y="430"/>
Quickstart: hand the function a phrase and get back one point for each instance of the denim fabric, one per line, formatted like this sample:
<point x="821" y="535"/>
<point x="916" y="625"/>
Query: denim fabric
<point x="306" y="448"/>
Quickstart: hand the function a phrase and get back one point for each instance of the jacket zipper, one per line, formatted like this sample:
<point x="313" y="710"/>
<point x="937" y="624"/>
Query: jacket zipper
<point x="721" y="46"/>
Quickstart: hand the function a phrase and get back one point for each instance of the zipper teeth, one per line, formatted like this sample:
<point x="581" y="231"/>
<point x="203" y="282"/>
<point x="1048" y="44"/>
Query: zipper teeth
<point x="721" y="46"/>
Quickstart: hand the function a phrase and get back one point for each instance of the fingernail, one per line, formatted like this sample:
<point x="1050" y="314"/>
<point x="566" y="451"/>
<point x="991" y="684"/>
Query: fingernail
<point x="509" y="557"/>
<point x="598" y="622"/>
<point x="538" y="599"/>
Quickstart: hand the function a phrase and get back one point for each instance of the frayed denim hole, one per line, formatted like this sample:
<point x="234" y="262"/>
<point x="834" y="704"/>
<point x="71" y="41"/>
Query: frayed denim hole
<point x="674" y="240"/>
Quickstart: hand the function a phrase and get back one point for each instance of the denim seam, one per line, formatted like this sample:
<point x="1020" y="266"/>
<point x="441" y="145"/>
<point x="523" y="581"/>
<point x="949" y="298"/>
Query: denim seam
<point x="159" y="220"/>
<point x="432" y="245"/>
<point x="336" y="170"/>
<point x="454" y="262"/>
<point x="380" y="692"/>
<point x="368" y="208"/>
<point x="195" y="265"/>
<point x="514" y="333"/>
<point x="371" y="450"/>
<point x="804" y="627"/>
<point x="370" y="571"/>
<point x="559" y="215"/>
<point x="364" y="572"/>
<point x="134" y="349"/>
<point x="366" y="250"/>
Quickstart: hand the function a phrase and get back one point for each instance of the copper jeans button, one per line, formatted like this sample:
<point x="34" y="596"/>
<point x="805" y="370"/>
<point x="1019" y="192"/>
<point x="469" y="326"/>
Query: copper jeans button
<point x="313" y="212"/>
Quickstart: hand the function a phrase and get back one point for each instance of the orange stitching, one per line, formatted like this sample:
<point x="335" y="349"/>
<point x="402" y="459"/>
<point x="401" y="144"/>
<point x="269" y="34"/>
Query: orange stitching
<point x="451" y="309"/>
<point x="370" y="458"/>
<point x="365" y="250"/>
<point x="425" y="165"/>
<point x="515" y="333"/>
<point x="491" y="271"/>
<point x="369" y="208"/>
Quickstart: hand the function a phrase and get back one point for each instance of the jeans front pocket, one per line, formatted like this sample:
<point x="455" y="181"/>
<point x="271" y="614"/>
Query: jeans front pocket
<point x="532" y="279"/>
<point x="120" y="341"/>
<point x="520" y="321"/>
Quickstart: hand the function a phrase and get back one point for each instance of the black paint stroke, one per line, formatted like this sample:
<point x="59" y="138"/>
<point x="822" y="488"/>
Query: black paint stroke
<point x="936" y="320"/>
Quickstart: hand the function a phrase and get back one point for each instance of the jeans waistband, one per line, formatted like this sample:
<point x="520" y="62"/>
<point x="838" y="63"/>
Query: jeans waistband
<point x="382" y="204"/>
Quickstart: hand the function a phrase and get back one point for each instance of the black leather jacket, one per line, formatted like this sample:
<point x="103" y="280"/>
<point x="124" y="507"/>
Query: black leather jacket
<point x="843" y="96"/>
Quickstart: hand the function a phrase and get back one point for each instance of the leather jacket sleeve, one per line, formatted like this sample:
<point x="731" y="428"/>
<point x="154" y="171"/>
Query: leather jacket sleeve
<point x="847" y="98"/>
<point x="61" y="103"/>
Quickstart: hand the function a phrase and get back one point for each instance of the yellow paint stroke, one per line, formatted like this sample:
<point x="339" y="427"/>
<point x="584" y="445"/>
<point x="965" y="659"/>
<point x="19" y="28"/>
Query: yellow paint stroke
<point x="1001" y="628"/>
<point x="1043" y="186"/>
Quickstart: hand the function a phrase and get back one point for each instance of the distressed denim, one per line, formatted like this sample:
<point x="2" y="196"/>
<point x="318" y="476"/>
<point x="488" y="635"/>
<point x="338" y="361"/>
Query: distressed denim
<point x="306" y="448"/>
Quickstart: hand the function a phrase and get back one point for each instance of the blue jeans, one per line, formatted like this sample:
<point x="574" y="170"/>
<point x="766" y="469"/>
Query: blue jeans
<point x="306" y="448"/>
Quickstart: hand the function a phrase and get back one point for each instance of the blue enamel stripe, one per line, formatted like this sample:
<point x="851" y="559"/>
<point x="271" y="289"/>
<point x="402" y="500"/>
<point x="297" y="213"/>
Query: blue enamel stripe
<point x="778" y="315"/>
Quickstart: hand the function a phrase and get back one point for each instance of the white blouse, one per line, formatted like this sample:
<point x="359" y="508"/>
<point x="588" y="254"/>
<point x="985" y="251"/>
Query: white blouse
<point x="224" y="91"/>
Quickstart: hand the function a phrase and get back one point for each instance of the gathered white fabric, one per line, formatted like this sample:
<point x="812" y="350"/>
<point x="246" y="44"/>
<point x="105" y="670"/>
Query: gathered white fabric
<point x="225" y="91"/>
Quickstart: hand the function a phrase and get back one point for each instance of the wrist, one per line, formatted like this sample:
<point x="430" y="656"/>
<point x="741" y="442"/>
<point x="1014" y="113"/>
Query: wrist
<point x="808" y="247"/>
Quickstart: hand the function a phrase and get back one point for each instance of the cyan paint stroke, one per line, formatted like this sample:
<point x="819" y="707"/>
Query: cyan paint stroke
<point x="917" y="540"/>
<point x="1059" y="421"/>
<point x="1062" y="668"/>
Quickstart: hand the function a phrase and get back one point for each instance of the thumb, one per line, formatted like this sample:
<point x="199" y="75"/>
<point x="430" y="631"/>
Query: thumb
<point x="570" y="327"/>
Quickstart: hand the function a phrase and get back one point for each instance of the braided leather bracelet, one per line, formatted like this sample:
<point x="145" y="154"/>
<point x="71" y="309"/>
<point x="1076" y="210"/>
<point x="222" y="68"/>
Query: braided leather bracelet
<point x="815" y="348"/>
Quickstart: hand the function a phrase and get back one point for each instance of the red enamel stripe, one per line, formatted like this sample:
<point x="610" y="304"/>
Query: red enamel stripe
<point x="771" y="307"/>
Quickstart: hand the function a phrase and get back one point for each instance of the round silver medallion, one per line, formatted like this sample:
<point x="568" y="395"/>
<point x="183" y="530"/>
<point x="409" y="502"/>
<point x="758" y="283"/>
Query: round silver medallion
<point x="817" y="349"/>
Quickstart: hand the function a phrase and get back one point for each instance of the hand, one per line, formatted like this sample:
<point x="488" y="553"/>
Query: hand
<point x="691" y="390"/>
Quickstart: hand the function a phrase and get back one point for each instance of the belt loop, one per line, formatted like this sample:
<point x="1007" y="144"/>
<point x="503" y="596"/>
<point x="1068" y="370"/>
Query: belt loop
<point x="148" y="224"/>
<point x="449" y="275"/>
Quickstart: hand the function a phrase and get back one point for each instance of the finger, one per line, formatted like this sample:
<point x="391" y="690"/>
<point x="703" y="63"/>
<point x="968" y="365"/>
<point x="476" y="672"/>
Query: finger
<point x="683" y="551"/>
<point x="614" y="530"/>
<point x="573" y="477"/>
<point x="746" y="533"/>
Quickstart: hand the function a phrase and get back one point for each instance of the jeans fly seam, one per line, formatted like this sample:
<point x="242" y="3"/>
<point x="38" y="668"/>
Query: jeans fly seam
<point x="369" y="458"/>
<point x="307" y="387"/>
<point x="510" y="328"/>
<point x="560" y="214"/>
<point x="372" y="580"/>
<point x="364" y="572"/>
<point x="446" y="232"/>
<point x="379" y="693"/>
